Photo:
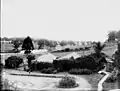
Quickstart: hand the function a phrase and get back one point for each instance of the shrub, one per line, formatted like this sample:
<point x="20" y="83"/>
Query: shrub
<point x="111" y="79"/>
<point x="109" y="67"/>
<point x="49" y="71"/>
<point x="67" y="82"/>
<point x="67" y="50"/>
<point x="80" y="71"/>
<point x="87" y="62"/>
<point x="64" y="64"/>
<point x="13" y="62"/>
<point x="113" y="76"/>
<point x="82" y="63"/>
<point x="41" y="65"/>
<point x="90" y="62"/>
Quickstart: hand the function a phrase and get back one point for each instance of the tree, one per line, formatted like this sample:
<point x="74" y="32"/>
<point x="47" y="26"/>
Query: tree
<point x="63" y="43"/>
<point x="118" y="35"/>
<point x="71" y="42"/>
<point x="111" y="36"/>
<point x="16" y="45"/>
<point x="30" y="58"/>
<point x="117" y="63"/>
<point x="42" y="43"/>
<point x="98" y="47"/>
<point x="27" y="45"/>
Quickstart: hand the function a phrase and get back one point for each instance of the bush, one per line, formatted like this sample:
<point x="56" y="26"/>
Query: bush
<point x="64" y="64"/>
<point x="49" y="71"/>
<point x="67" y="82"/>
<point x="111" y="79"/>
<point x="41" y="65"/>
<point x="31" y="57"/>
<point x="90" y="62"/>
<point x="109" y="67"/>
<point x="113" y="76"/>
<point x="80" y="71"/>
<point x="13" y="62"/>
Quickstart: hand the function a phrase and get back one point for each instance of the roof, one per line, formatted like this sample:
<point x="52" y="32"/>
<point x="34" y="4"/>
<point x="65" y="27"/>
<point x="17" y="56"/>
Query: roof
<point x="73" y="54"/>
<point x="46" y="58"/>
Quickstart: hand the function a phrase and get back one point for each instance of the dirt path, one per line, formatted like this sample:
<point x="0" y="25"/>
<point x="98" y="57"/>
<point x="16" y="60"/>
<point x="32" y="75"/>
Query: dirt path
<point x="43" y="83"/>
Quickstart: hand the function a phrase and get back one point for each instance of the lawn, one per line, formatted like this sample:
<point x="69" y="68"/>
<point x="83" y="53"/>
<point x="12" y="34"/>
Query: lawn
<point x="93" y="79"/>
<point x="6" y="47"/>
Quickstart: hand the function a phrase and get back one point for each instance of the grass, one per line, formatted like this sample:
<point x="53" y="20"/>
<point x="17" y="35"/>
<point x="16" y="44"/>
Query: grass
<point x="6" y="47"/>
<point x="109" y="86"/>
<point x="93" y="79"/>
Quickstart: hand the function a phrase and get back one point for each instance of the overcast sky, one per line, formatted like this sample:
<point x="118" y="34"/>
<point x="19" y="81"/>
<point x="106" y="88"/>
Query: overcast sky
<point x="60" y="19"/>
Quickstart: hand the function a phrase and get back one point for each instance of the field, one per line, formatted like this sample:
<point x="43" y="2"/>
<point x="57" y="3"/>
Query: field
<point x="6" y="47"/>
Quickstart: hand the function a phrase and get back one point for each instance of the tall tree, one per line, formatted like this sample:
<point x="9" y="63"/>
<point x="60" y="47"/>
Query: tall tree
<point x="111" y="36"/>
<point x="27" y="45"/>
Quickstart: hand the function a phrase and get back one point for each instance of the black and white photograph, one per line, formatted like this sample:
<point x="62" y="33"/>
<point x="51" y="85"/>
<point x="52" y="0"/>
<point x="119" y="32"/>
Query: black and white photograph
<point x="60" y="45"/>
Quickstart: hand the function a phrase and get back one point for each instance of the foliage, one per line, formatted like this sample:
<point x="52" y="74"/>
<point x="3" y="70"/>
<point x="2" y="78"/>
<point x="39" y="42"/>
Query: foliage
<point x="117" y="57"/>
<point x="63" y="43"/>
<point x="98" y="48"/>
<point x="113" y="76"/>
<point x="16" y="44"/>
<point x="13" y="62"/>
<point x="90" y="62"/>
<point x="48" y="70"/>
<point x="30" y="58"/>
<point x="109" y="67"/>
<point x="42" y="43"/>
<point x="111" y="36"/>
<point x="80" y="71"/>
<point x="27" y="45"/>
<point x="41" y="65"/>
<point x="67" y="82"/>
<point x="118" y="35"/>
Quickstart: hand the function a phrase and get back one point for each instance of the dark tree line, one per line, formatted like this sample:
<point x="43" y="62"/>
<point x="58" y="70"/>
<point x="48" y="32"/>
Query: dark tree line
<point x="112" y="35"/>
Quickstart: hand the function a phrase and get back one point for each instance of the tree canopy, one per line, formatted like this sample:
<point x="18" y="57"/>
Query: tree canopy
<point x="27" y="44"/>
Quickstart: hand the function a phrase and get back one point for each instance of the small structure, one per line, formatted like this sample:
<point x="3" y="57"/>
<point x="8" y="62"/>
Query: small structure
<point x="48" y="57"/>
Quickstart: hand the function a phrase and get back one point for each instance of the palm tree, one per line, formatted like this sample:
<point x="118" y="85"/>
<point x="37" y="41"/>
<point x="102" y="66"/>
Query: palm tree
<point x="98" y="47"/>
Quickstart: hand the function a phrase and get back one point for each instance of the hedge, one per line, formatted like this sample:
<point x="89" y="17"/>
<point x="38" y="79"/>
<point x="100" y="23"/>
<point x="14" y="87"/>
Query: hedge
<point x="86" y="62"/>
<point x="80" y="71"/>
<point x="37" y="66"/>
<point x="13" y="62"/>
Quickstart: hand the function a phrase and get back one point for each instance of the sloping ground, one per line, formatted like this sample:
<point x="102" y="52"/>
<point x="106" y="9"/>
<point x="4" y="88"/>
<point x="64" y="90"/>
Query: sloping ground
<point x="110" y="50"/>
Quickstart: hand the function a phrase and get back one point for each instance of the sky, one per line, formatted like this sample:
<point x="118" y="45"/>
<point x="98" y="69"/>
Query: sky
<point x="78" y="20"/>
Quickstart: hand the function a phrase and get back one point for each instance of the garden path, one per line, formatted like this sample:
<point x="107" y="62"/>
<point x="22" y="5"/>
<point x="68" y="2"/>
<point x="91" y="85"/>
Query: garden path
<point x="42" y="83"/>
